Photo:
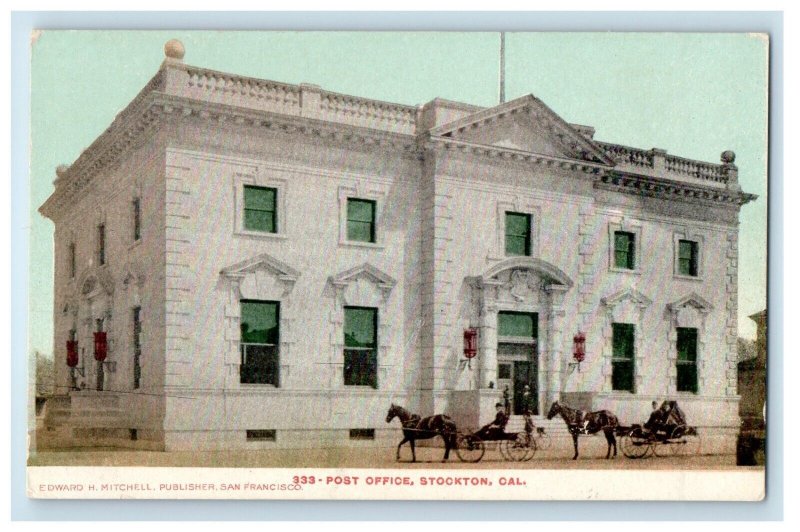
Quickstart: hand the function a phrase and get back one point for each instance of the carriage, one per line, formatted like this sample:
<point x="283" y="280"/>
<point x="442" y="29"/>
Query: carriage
<point x="513" y="446"/>
<point x="665" y="433"/>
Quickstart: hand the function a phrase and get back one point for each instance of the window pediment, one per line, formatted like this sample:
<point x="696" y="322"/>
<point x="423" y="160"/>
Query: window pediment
<point x="262" y="262"/>
<point x="691" y="301"/>
<point x="630" y="294"/>
<point x="367" y="271"/>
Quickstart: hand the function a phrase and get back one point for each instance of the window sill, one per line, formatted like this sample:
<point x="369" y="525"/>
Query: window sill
<point x="682" y="277"/>
<point x="135" y="244"/>
<point x="624" y="270"/>
<point x="360" y="387"/>
<point x="257" y="386"/>
<point x="260" y="235"/>
<point x="357" y="244"/>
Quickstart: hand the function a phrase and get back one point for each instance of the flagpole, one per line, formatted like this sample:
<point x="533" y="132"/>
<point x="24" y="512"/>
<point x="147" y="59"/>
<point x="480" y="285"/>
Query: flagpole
<point x="502" y="67"/>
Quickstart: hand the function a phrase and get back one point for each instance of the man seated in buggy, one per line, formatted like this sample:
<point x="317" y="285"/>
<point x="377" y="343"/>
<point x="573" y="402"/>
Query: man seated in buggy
<point x="664" y="420"/>
<point x="496" y="429"/>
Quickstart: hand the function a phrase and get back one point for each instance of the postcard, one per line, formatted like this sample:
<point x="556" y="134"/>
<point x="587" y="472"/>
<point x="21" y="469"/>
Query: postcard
<point x="398" y="265"/>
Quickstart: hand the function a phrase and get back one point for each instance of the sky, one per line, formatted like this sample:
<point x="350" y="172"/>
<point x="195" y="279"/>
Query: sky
<point x="694" y="95"/>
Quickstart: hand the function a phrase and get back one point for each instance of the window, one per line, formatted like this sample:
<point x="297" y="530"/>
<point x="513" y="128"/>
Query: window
<point x="259" y="342"/>
<point x="624" y="250"/>
<point x="137" y="347"/>
<point x="362" y="434"/>
<point x="72" y="260"/>
<point x="622" y="357"/>
<point x="687" y="257"/>
<point x="504" y="371"/>
<point x="521" y="324"/>
<point x="261" y="435"/>
<point x="360" y="346"/>
<point x="687" y="359"/>
<point x="101" y="244"/>
<point x="360" y="220"/>
<point x="518" y="234"/>
<point x="260" y="210"/>
<point x="137" y="219"/>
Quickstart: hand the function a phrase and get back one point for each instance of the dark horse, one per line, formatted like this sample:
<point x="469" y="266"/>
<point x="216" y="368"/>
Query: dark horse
<point x="587" y="423"/>
<point x="417" y="428"/>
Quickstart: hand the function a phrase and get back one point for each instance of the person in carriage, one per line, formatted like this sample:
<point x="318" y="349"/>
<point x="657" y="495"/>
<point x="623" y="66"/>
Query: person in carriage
<point x="496" y="429"/>
<point x="665" y="420"/>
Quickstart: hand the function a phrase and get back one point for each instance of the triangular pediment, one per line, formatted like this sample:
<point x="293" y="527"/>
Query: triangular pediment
<point x="629" y="294"/>
<point x="262" y="262"/>
<point x="365" y="270"/>
<point x="527" y="125"/>
<point x="691" y="300"/>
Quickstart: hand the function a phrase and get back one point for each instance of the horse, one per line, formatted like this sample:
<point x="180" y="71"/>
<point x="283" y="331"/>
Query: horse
<point x="417" y="428"/>
<point x="587" y="423"/>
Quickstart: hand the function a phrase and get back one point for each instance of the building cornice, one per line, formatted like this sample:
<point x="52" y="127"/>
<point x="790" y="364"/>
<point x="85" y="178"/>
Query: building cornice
<point x="627" y="183"/>
<point x="133" y="126"/>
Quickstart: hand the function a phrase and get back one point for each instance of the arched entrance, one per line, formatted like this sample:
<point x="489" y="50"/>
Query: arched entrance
<point x="521" y="328"/>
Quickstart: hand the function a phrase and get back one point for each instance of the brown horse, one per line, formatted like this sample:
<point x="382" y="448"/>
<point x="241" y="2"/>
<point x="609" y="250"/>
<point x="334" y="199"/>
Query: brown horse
<point x="587" y="423"/>
<point x="417" y="428"/>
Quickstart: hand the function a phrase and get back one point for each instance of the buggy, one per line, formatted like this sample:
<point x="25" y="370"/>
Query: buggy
<point x="513" y="446"/>
<point x="666" y="432"/>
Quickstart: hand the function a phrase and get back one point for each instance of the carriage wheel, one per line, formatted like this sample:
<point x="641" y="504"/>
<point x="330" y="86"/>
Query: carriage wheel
<point x="517" y="449"/>
<point x="635" y="444"/>
<point x="688" y="444"/>
<point x="469" y="448"/>
<point x="533" y="446"/>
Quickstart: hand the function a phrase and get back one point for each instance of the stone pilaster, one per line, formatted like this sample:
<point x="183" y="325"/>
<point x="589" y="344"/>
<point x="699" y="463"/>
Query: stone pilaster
<point x="555" y="342"/>
<point x="731" y="310"/>
<point x="178" y="275"/>
<point x="488" y="335"/>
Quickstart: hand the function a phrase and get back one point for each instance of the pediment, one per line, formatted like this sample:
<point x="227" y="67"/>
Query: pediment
<point x="367" y="271"/>
<point x="542" y="269"/>
<point x="692" y="300"/>
<point x="527" y="125"/>
<point x="262" y="262"/>
<point x="629" y="294"/>
<point x="94" y="281"/>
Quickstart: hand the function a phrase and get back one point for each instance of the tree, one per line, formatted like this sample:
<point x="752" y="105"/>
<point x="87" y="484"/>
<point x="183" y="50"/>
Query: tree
<point x="44" y="374"/>
<point x="746" y="348"/>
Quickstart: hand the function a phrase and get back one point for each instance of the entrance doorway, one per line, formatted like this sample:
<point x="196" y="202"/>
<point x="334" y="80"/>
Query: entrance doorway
<point x="517" y="360"/>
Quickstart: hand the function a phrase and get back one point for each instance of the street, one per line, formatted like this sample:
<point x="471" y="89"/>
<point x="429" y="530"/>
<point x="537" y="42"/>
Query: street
<point x="367" y="457"/>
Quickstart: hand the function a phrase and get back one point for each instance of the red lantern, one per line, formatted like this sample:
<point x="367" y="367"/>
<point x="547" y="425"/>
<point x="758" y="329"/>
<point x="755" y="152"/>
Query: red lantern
<point x="100" y="346"/>
<point x="579" y="354"/>
<point x="470" y="343"/>
<point x="72" y="353"/>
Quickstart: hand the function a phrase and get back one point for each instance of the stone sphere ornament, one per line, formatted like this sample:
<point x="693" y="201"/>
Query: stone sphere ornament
<point x="728" y="157"/>
<point x="174" y="49"/>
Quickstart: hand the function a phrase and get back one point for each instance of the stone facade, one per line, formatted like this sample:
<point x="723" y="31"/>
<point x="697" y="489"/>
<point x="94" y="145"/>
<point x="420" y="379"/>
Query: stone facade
<point x="441" y="177"/>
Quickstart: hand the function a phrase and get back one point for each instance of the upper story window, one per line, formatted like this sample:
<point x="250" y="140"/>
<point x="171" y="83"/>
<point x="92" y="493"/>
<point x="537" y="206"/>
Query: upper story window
<point x="101" y="244"/>
<point x="624" y="250"/>
<point x="360" y="220"/>
<point x="687" y="359"/>
<point x="259" y="342"/>
<point x="72" y="260"/>
<point x="622" y="357"/>
<point x="136" y="206"/>
<point x="688" y="253"/>
<point x="260" y="209"/>
<point x="518" y="234"/>
<point x="361" y="346"/>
